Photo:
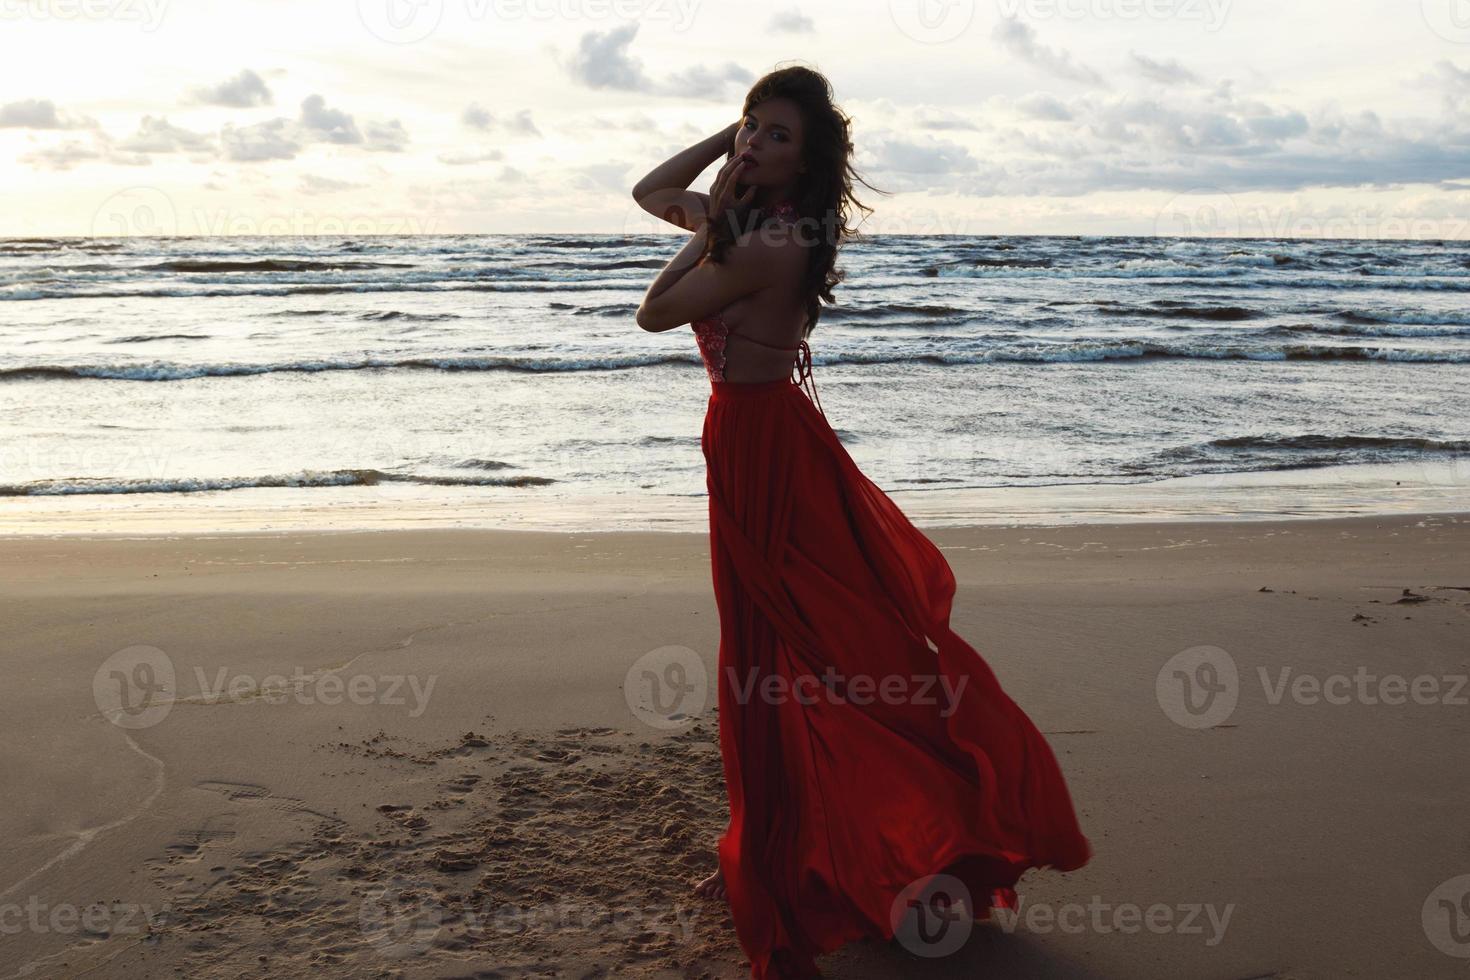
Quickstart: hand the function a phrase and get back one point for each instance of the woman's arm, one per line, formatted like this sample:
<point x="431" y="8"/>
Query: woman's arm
<point x="662" y="192"/>
<point x="678" y="266"/>
<point x="682" y="294"/>
<point x="703" y="286"/>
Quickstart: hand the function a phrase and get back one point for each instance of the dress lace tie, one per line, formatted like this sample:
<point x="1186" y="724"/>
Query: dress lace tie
<point x="804" y="378"/>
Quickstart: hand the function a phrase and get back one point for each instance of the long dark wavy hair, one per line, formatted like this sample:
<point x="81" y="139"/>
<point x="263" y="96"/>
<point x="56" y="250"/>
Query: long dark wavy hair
<point x="824" y="199"/>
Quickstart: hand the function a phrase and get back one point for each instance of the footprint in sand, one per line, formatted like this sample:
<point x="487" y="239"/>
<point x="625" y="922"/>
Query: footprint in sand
<point x="250" y="792"/>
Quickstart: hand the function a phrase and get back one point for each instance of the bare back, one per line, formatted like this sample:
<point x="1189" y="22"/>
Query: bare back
<point x="762" y="323"/>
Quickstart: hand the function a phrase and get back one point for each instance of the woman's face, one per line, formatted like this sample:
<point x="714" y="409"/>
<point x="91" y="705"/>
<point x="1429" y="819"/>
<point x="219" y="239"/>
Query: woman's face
<point x="770" y="136"/>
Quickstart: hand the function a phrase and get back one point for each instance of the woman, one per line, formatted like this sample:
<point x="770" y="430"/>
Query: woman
<point x="866" y="747"/>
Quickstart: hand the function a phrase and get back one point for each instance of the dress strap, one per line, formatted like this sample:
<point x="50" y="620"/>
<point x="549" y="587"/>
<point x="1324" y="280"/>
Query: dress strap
<point x="803" y="370"/>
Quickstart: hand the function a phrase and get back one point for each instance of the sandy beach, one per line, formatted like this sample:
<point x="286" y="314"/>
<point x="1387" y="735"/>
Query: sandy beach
<point x="424" y="753"/>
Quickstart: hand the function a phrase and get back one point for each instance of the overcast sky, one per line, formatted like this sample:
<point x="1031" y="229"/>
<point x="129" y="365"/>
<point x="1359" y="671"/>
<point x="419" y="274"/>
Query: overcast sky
<point x="1270" y="117"/>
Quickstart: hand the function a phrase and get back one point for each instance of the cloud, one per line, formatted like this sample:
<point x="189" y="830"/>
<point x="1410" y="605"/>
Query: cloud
<point x="932" y="119"/>
<point x="701" y="82"/>
<point x="478" y="117"/>
<point x="1452" y="76"/>
<point x="388" y="137"/>
<point x="1020" y="40"/>
<point x="1169" y="72"/>
<point x="1039" y="105"/>
<point x="470" y="156"/>
<point x="522" y="124"/>
<point x="160" y="136"/>
<point x="62" y="157"/>
<point x="274" y="139"/>
<point x="327" y="125"/>
<point x="1213" y="140"/>
<point x="1454" y="82"/>
<point x="1243" y="128"/>
<point x="898" y="155"/>
<point x="154" y="135"/>
<point x="283" y="139"/>
<point x="602" y="61"/>
<point x="611" y="177"/>
<point x="1276" y="127"/>
<point x="635" y="122"/>
<point x="39" y="114"/>
<point x="312" y="184"/>
<point x="244" y="91"/>
<point x="68" y="154"/>
<point x="791" y="21"/>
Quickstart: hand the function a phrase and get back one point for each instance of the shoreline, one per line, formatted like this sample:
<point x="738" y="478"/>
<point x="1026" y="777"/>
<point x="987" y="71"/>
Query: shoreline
<point x="1301" y="493"/>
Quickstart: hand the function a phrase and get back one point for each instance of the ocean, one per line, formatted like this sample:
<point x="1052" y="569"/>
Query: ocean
<point x="444" y="380"/>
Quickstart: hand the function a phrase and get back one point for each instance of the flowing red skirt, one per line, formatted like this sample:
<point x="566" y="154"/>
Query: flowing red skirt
<point x="843" y="793"/>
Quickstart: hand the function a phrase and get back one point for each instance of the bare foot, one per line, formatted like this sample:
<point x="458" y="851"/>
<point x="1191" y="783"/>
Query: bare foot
<point x="712" y="887"/>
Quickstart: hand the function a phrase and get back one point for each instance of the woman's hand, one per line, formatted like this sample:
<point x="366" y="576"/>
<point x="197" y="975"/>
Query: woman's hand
<point x="722" y="194"/>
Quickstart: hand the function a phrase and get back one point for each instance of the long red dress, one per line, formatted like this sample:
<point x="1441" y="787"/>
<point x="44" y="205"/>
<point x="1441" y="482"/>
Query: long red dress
<point x="843" y="796"/>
